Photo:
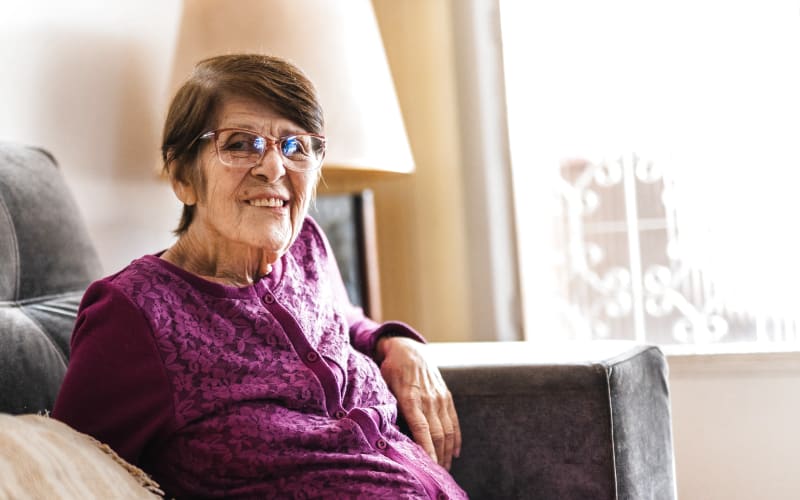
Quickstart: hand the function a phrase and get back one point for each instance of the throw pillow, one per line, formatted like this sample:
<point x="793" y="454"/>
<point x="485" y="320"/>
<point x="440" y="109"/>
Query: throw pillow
<point x="42" y="458"/>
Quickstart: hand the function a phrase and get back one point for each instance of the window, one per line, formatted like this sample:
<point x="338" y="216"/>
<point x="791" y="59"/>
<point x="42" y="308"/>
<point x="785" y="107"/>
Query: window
<point x="655" y="150"/>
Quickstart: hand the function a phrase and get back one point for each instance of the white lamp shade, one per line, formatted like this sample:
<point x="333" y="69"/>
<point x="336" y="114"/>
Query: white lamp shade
<point x="336" y="43"/>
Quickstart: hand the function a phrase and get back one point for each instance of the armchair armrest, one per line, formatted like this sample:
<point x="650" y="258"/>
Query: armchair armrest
<point x="561" y="421"/>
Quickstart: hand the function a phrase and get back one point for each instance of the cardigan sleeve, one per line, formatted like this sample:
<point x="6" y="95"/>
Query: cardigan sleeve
<point x="116" y="388"/>
<point x="364" y="332"/>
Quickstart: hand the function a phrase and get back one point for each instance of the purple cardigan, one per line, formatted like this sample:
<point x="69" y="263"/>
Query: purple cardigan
<point x="256" y="392"/>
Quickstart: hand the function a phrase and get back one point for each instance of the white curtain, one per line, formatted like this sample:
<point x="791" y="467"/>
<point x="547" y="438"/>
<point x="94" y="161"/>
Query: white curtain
<point x="656" y="157"/>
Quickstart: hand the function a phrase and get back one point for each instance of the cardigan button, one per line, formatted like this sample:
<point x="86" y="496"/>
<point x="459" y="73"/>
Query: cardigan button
<point x="381" y="444"/>
<point x="269" y="299"/>
<point x="340" y="414"/>
<point x="441" y="496"/>
<point x="312" y="357"/>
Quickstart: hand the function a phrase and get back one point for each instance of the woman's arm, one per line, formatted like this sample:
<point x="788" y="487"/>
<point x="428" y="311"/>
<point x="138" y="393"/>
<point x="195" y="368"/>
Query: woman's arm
<point x="115" y="388"/>
<point x="422" y="396"/>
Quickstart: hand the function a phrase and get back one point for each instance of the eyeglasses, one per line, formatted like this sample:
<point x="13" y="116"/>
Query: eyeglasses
<point x="241" y="148"/>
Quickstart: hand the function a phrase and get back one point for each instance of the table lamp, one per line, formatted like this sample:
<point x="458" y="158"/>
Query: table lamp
<point x="338" y="45"/>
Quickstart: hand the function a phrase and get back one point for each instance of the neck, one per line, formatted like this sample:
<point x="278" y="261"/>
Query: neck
<point x="232" y="264"/>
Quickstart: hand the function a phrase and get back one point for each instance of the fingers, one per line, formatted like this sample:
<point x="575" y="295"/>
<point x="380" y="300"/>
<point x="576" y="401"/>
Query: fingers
<point x="451" y="431"/>
<point x="437" y="431"/>
<point x="417" y="422"/>
<point x="446" y="457"/>
<point x="441" y="427"/>
<point x="451" y="410"/>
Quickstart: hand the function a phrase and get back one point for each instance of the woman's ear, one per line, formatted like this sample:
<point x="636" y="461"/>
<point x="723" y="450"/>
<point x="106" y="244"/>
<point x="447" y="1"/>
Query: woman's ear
<point x="184" y="191"/>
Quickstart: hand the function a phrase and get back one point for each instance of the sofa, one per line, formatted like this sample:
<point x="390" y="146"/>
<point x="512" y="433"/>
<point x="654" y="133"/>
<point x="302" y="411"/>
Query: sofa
<point x="544" y="421"/>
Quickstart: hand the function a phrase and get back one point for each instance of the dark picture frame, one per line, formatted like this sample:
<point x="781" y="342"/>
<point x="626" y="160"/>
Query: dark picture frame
<point x="348" y="220"/>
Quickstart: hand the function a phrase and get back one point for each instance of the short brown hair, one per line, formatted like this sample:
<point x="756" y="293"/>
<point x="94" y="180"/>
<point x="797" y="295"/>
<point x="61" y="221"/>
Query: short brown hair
<point x="268" y="80"/>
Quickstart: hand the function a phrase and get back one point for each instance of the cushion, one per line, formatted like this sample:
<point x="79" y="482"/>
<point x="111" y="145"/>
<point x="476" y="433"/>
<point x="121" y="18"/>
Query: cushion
<point x="41" y="457"/>
<point x="46" y="248"/>
<point x="46" y="262"/>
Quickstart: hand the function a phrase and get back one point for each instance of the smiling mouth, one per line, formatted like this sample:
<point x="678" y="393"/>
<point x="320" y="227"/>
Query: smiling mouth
<point x="267" y="202"/>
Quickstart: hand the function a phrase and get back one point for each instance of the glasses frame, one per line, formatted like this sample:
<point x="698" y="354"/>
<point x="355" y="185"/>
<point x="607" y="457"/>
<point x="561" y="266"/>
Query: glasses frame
<point x="289" y="164"/>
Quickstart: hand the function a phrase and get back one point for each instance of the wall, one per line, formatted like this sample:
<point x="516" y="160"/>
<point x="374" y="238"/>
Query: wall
<point x="735" y="425"/>
<point x="421" y="225"/>
<point x="86" y="79"/>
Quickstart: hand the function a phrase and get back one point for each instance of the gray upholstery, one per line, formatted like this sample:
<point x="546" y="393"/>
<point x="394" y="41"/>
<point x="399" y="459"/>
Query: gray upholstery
<point x="46" y="262"/>
<point x="595" y="425"/>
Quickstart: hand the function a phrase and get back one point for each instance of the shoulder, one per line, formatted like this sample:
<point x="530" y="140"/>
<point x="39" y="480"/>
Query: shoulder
<point x="311" y="240"/>
<point x="106" y="314"/>
<point x="143" y="268"/>
<point x="119" y="289"/>
<point x="312" y="229"/>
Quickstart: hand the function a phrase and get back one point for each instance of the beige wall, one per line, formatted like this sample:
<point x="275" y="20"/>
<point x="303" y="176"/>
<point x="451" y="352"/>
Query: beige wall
<point x="85" y="79"/>
<point x="735" y="426"/>
<point x="424" y="273"/>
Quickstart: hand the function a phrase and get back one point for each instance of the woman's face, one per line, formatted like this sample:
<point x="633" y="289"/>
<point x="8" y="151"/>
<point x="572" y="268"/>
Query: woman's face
<point x="262" y="207"/>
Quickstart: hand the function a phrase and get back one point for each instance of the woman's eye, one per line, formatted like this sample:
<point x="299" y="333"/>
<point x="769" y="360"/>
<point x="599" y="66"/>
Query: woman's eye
<point x="245" y="143"/>
<point x="236" y="146"/>
<point x="291" y="146"/>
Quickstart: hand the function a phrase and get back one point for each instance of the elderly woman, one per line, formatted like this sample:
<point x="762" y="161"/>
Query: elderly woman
<point x="232" y="364"/>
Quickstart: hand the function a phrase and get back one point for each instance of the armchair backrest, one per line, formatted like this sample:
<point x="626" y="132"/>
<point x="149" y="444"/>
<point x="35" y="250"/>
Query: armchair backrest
<point x="46" y="262"/>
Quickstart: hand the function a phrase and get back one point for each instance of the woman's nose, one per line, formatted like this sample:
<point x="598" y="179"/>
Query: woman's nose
<point x="271" y="165"/>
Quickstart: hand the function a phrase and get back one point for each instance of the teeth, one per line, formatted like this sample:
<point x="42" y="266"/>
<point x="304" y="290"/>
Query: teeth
<point x="268" y="202"/>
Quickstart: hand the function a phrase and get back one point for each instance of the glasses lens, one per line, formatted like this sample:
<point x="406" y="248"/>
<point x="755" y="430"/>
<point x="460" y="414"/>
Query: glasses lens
<point x="303" y="150"/>
<point x="240" y="149"/>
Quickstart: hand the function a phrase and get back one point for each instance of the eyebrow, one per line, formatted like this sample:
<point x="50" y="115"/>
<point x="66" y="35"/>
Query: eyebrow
<point x="246" y="126"/>
<point x="253" y="129"/>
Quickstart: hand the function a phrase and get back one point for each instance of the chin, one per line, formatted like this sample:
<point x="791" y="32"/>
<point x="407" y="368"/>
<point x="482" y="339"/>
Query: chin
<point x="275" y="242"/>
<point x="271" y="244"/>
<point x="278" y="236"/>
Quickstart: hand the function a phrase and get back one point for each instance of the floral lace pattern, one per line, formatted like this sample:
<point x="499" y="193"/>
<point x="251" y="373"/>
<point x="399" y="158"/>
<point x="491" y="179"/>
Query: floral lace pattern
<point x="253" y="414"/>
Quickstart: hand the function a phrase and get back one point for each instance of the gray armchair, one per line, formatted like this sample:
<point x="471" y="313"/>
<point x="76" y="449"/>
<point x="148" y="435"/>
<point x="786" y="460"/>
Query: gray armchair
<point x="561" y="421"/>
<point x="572" y="421"/>
<point x="46" y="262"/>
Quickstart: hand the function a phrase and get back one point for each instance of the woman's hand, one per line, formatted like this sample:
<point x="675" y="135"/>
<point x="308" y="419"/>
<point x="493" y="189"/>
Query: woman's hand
<point x="422" y="397"/>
